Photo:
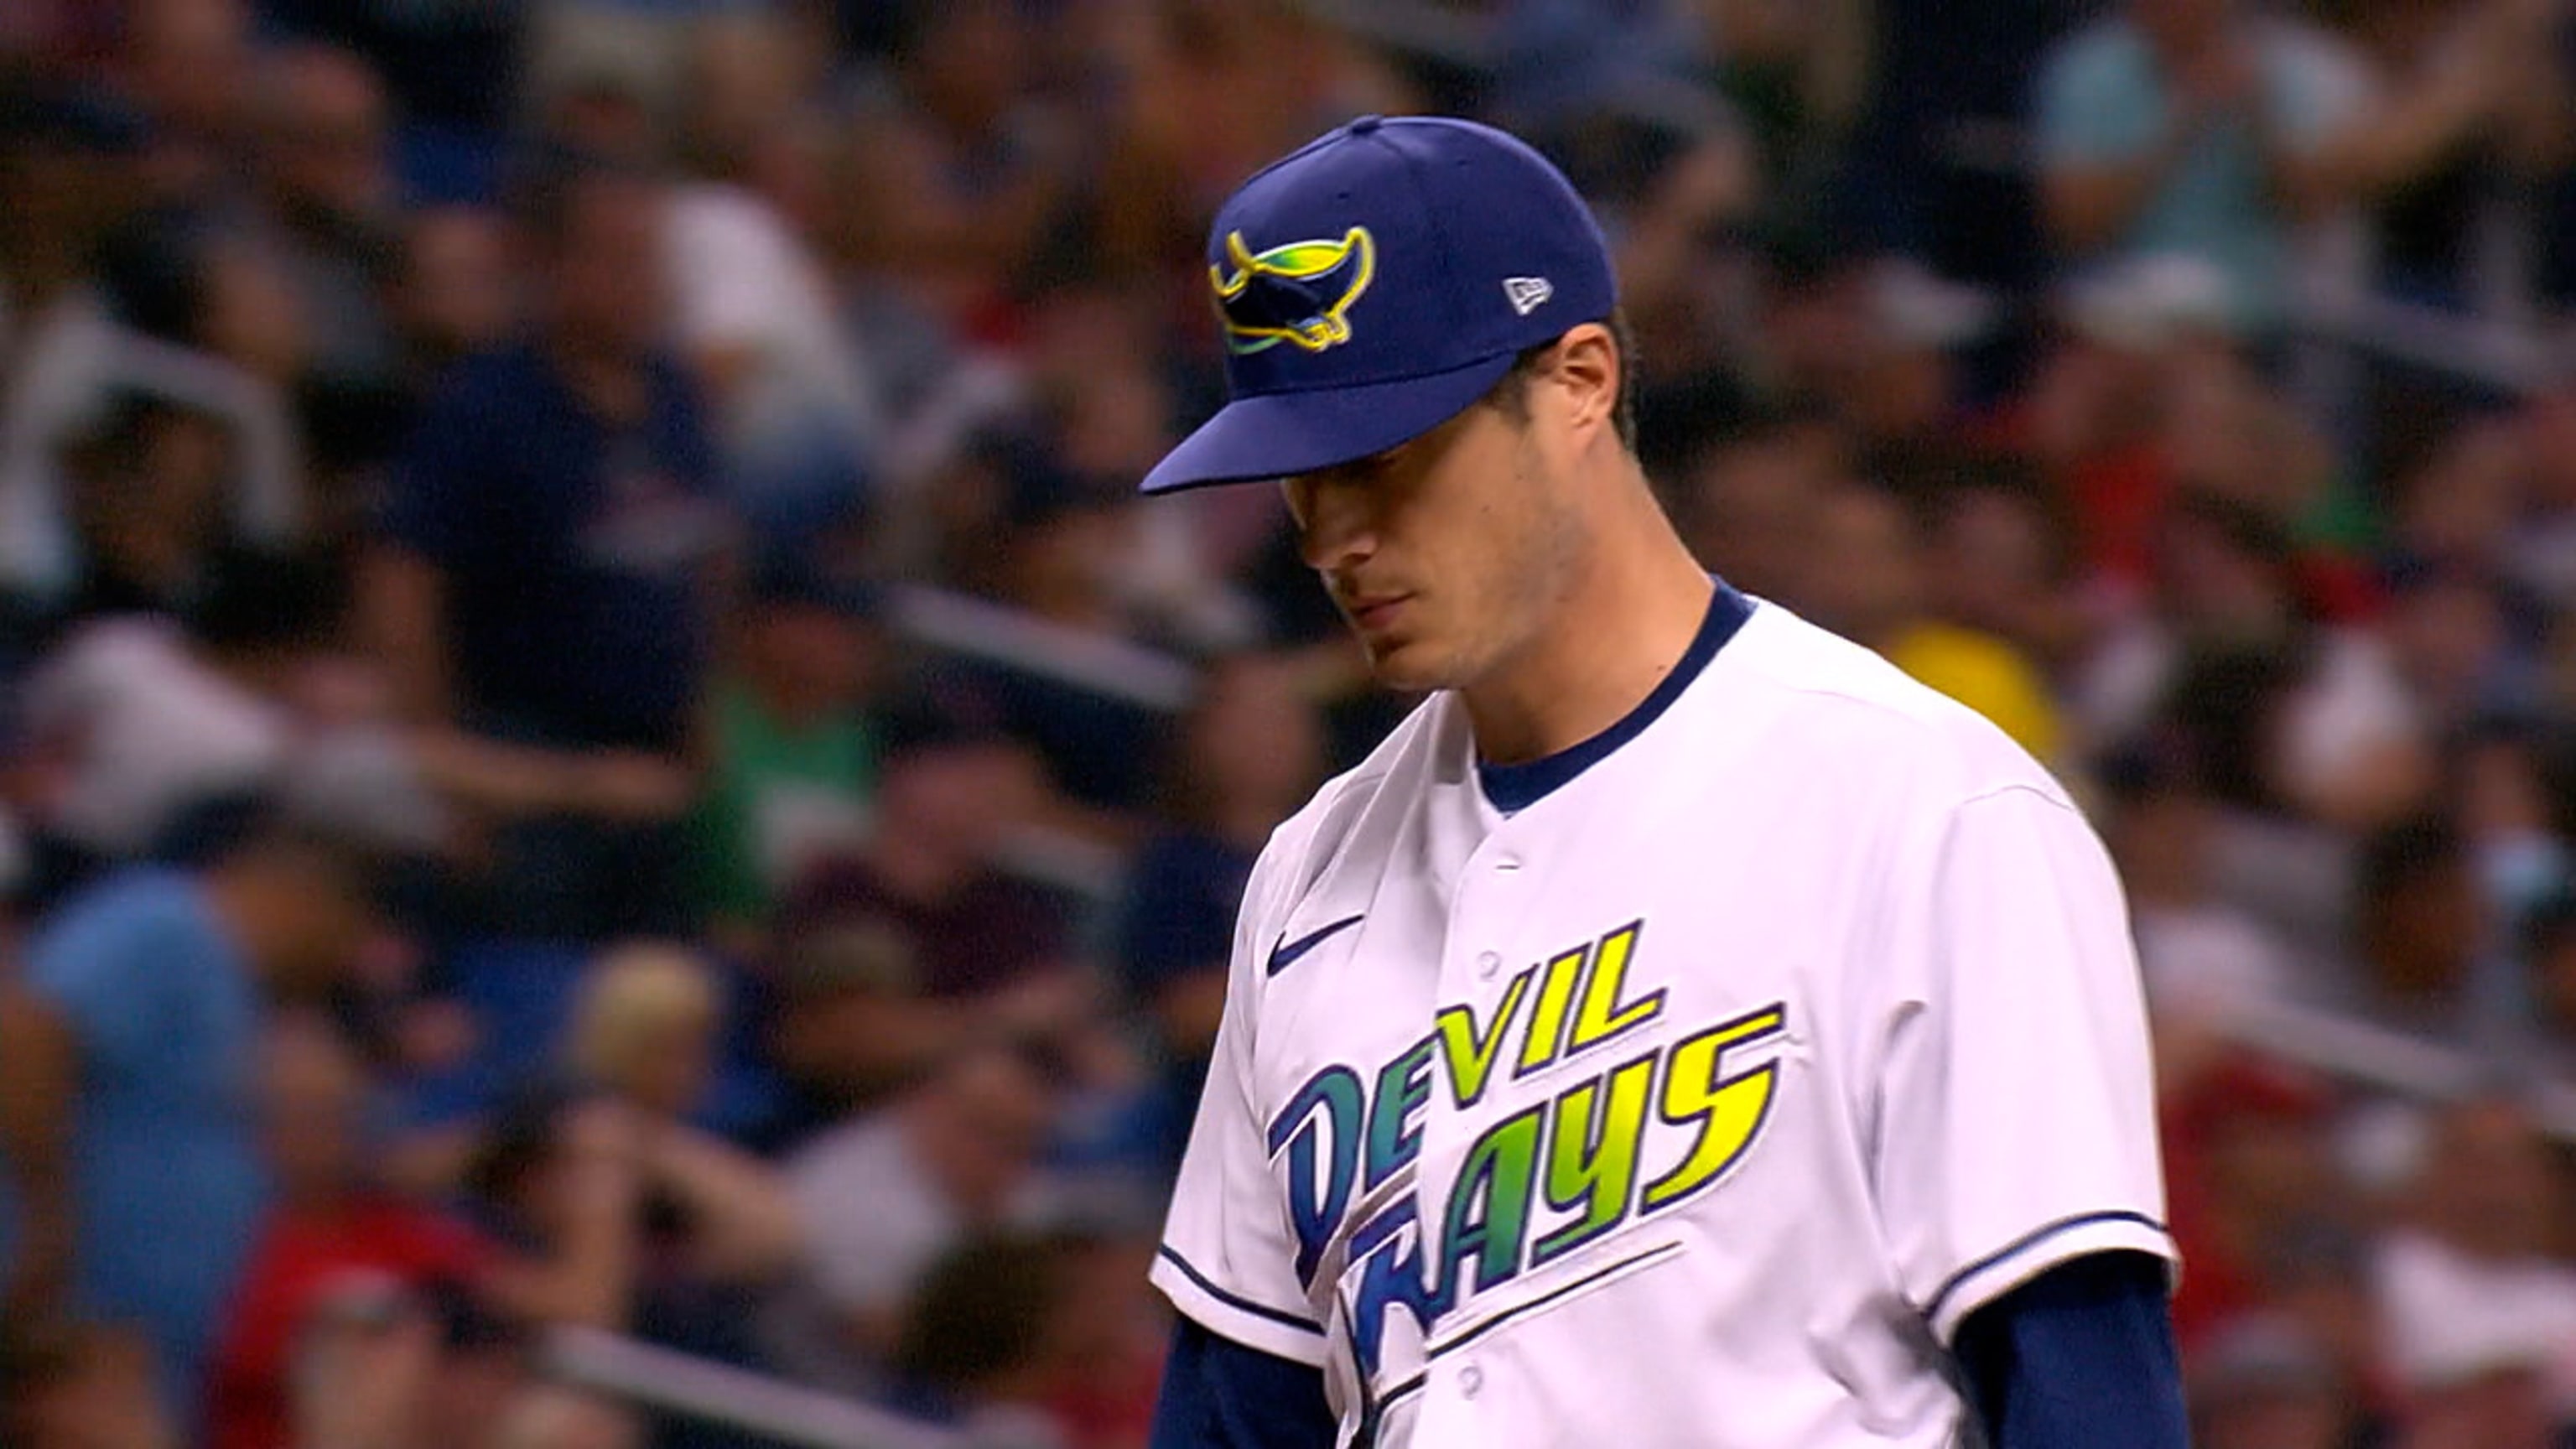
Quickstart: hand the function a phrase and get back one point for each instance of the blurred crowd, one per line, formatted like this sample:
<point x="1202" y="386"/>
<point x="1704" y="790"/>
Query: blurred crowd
<point x="591" y="735"/>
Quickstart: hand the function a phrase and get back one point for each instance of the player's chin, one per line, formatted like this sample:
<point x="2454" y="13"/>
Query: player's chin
<point x="1408" y="665"/>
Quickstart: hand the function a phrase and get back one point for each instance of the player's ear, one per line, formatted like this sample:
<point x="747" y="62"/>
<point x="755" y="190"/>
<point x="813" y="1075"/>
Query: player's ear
<point x="1587" y="368"/>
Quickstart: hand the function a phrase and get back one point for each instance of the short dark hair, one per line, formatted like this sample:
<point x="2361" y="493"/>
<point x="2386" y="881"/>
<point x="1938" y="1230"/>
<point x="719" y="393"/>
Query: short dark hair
<point x="1511" y="395"/>
<point x="2403" y="855"/>
<point x="981" y="1312"/>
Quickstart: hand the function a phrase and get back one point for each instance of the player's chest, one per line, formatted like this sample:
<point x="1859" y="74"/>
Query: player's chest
<point x="1479" y="1076"/>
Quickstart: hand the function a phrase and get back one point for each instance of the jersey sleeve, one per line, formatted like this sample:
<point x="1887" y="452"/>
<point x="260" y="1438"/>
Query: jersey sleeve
<point x="1228" y="1256"/>
<point x="2014" y="1100"/>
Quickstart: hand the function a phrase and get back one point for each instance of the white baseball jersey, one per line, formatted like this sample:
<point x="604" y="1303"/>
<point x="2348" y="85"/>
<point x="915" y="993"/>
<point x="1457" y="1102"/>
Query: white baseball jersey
<point x="1695" y="1103"/>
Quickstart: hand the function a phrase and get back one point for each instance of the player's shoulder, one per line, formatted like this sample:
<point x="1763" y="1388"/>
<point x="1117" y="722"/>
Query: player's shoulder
<point x="1366" y="800"/>
<point x="1826" y="697"/>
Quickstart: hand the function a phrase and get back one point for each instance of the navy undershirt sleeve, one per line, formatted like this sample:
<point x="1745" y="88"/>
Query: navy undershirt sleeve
<point x="1218" y="1394"/>
<point x="2082" y="1355"/>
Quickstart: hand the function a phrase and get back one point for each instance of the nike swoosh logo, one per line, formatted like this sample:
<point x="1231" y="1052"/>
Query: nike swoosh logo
<point x="1289" y="951"/>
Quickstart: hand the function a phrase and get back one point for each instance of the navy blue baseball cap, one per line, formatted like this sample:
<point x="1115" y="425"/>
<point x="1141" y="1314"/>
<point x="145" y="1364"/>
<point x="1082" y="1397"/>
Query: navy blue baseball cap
<point x="1377" y="282"/>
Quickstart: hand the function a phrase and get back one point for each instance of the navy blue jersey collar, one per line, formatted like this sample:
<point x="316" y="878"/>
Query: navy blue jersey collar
<point x="1514" y="788"/>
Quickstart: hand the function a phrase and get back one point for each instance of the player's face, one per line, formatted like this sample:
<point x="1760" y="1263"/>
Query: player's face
<point x="1445" y="554"/>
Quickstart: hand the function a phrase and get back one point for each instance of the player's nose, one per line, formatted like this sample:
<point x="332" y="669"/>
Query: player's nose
<point x="1334" y="528"/>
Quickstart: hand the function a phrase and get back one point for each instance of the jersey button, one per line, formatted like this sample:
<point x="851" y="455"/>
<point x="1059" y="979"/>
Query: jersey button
<point x="1487" y="964"/>
<point x="1471" y="1379"/>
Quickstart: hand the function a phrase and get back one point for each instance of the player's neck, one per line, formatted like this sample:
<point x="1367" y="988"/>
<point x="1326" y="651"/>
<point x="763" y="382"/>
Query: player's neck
<point x="1637" y="602"/>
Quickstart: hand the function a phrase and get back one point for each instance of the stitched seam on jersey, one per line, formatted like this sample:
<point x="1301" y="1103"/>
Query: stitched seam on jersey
<point x="1245" y="1305"/>
<point x="1421" y="1378"/>
<point x="1432" y="1353"/>
<point x="2012" y="787"/>
<point x="2030" y="1240"/>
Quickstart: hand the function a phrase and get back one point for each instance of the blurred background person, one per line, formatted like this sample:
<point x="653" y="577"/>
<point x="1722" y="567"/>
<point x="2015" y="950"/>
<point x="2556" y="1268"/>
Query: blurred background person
<point x="132" y="1043"/>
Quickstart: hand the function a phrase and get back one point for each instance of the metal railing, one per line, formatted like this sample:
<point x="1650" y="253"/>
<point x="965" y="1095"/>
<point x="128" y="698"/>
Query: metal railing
<point x="663" y="1381"/>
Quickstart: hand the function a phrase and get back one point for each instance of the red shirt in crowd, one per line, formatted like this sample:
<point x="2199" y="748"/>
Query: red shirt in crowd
<point x="301" y="1256"/>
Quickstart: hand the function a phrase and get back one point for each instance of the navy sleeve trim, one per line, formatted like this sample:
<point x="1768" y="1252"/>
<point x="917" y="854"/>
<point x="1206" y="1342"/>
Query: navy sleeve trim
<point x="1259" y="1310"/>
<point x="2028" y="1241"/>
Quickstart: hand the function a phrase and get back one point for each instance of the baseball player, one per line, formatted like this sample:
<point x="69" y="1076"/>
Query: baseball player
<point x="1684" y="1029"/>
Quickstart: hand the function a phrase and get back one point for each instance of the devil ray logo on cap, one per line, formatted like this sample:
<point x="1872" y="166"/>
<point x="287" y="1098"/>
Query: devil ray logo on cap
<point x="1299" y="293"/>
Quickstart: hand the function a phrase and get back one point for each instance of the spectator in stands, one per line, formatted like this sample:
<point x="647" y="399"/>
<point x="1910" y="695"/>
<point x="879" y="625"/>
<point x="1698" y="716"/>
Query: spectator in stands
<point x="609" y="1215"/>
<point x="1251" y="752"/>
<point x="794" y="772"/>
<point x="127" y="1055"/>
<point x="147" y="492"/>
<point x="2253" y="1169"/>
<point x="2322" y="1280"/>
<point x="997" y="947"/>
<point x="372" y="1363"/>
<point x="968" y="74"/>
<point x="2452" y="638"/>
<point x="544" y="592"/>
<point x="1674" y="273"/>
<point x="2419" y="922"/>
<point x="2346" y="747"/>
<point x="2230" y="434"/>
<point x="1901" y="390"/>
<point x="67" y="165"/>
<point x="332" y="1229"/>
<point x="2475" y="1290"/>
<point x="1864" y="576"/>
<point x="2265" y="1384"/>
<point x="720" y="1230"/>
<point x="800" y="423"/>
<point x="186" y="65"/>
<point x="2209" y="969"/>
<point x="1747" y="502"/>
<point x="453" y="297"/>
<point x="139" y="723"/>
<point x="1065" y="535"/>
<point x="884" y="1197"/>
<point x="1999" y="559"/>
<point x="2093" y="417"/>
<point x="200" y="278"/>
<point x="2459" y="503"/>
<point x="851" y="1021"/>
<point x="80" y="1388"/>
<point x="2472" y="102"/>
<point x="186" y="310"/>
<point x="1017" y="1333"/>
<point x="328" y="187"/>
<point x="2166" y="128"/>
<point x="982" y="1339"/>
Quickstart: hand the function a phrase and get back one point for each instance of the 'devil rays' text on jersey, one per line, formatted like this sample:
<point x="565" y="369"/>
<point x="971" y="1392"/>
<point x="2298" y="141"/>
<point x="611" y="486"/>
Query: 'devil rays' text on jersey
<point x="1695" y="1103"/>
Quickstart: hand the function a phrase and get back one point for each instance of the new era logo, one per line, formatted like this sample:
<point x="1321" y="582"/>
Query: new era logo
<point x="1528" y="294"/>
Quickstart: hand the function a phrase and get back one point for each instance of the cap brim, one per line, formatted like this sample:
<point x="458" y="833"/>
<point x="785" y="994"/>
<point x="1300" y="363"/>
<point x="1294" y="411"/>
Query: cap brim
<point x="1280" y="435"/>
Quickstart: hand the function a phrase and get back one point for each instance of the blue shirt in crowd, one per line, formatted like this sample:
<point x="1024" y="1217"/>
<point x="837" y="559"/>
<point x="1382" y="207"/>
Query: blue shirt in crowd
<point x="168" y="1180"/>
<point x="574" y="548"/>
<point x="2104" y="99"/>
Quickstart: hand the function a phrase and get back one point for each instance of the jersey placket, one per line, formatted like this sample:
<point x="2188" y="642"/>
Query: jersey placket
<point x="1478" y="951"/>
